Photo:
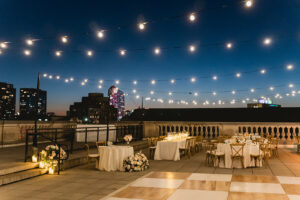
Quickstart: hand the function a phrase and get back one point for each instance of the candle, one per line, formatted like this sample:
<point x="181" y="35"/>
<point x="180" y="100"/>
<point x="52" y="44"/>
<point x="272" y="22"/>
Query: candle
<point x="34" y="158"/>
<point x="51" y="170"/>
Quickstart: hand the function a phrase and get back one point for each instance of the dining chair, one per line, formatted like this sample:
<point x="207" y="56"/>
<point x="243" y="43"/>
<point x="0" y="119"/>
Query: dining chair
<point x="101" y="143"/>
<point x="199" y="143"/>
<point x="90" y="156"/>
<point x="211" y="148"/>
<point x="187" y="149"/>
<point x="274" y="147"/>
<point x="237" y="152"/>
<point x="152" y="142"/>
<point x="266" y="152"/>
<point x="216" y="155"/>
<point x="298" y="143"/>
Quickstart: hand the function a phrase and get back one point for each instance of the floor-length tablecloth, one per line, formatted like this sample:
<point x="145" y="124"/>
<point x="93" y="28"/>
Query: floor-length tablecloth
<point x="112" y="157"/>
<point x="169" y="149"/>
<point x="248" y="150"/>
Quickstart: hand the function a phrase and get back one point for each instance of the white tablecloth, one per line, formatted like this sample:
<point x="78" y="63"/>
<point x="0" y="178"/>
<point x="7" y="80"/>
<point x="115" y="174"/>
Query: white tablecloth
<point x="169" y="149"/>
<point x="112" y="157"/>
<point x="248" y="150"/>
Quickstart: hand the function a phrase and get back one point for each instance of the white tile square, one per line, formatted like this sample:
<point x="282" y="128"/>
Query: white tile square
<point x="288" y="180"/>
<point x="256" y="187"/>
<point x="158" y="183"/>
<point x="294" y="197"/>
<point x="210" y="177"/>
<point x="198" y="194"/>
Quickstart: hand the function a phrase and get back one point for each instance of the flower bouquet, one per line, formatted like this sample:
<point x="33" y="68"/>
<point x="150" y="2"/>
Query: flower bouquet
<point x="136" y="163"/>
<point x="50" y="156"/>
<point x="127" y="138"/>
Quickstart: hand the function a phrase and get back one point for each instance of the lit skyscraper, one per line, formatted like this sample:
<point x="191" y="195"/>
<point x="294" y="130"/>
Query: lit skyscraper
<point x="117" y="99"/>
<point x="7" y="101"/>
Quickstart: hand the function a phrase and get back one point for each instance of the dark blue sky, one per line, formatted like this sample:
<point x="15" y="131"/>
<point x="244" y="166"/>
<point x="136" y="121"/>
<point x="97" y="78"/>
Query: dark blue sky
<point x="47" y="20"/>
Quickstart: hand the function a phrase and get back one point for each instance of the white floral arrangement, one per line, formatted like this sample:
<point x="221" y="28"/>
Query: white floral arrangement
<point x="127" y="138"/>
<point x="136" y="163"/>
<point x="50" y="156"/>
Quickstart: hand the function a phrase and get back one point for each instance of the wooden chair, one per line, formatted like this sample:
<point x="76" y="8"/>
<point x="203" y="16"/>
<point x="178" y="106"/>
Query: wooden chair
<point x="237" y="152"/>
<point x="152" y="142"/>
<point x="193" y="145"/>
<point x="217" y="156"/>
<point x="187" y="149"/>
<point x="266" y="152"/>
<point x="90" y="156"/>
<point x="198" y="143"/>
<point x="210" y="152"/>
<point x="101" y="143"/>
<point x="298" y="143"/>
<point x="274" y="147"/>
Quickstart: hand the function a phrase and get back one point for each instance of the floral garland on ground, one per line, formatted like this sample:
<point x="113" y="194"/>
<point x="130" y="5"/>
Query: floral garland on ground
<point x="136" y="163"/>
<point x="50" y="156"/>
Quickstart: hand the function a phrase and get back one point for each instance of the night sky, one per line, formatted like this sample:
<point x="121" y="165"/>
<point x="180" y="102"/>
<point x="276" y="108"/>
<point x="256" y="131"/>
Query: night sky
<point x="218" y="23"/>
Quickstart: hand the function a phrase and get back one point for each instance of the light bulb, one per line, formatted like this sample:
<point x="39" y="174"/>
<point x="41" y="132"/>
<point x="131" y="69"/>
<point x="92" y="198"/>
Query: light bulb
<point x="193" y="80"/>
<point x="192" y="17"/>
<point x="192" y="48"/>
<point x="157" y="51"/>
<point x="100" y="34"/>
<point x="267" y="41"/>
<point x="238" y="75"/>
<point x="249" y="3"/>
<point x="153" y="82"/>
<point x="123" y="52"/>
<point x="27" y="52"/>
<point x="229" y="45"/>
<point x="64" y="39"/>
<point x="89" y="53"/>
<point x="289" y="67"/>
<point x="29" y="42"/>
<point x="142" y="26"/>
<point x="58" y="53"/>
<point x="172" y="81"/>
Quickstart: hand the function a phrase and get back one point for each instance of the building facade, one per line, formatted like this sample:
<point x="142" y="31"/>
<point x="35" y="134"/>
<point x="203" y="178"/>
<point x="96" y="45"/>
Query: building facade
<point x="117" y="100"/>
<point x="7" y="101"/>
<point x="28" y="98"/>
<point x="95" y="108"/>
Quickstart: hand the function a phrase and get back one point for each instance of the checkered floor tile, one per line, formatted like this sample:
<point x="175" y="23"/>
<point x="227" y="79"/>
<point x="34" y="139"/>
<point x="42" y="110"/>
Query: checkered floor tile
<point x="192" y="186"/>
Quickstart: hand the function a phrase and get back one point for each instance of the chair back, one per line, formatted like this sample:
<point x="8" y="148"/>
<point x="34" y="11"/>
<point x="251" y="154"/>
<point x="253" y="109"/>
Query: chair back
<point x="101" y="143"/>
<point x="187" y="143"/>
<point x="237" y="150"/>
<point x="154" y="141"/>
<point x="87" y="148"/>
<point x="199" y="139"/>
<point x="211" y="146"/>
<point x="265" y="149"/>
<point x="192" y="142"/>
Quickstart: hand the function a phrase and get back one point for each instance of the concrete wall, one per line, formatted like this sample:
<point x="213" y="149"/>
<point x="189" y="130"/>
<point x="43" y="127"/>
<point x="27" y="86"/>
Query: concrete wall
<point x="14" y="131"/>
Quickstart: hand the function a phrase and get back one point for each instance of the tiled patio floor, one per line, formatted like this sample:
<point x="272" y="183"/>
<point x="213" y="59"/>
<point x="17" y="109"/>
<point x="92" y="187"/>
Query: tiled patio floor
<point x="87" y="183"/>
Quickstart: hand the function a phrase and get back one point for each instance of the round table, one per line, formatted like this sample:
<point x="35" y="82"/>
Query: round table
<point x="169" y="149"/>
<point x="112" y="157"/>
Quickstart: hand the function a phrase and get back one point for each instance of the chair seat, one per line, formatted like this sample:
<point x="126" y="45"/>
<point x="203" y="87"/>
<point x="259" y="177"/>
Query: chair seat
<point x="218" y="153"/>
<point x="256" y="155"/>
<point x="93" y="155"/>
<point x="152" y="147"/>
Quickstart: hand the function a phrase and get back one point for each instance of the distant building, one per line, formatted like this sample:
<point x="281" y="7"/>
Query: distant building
<point x="94" y="108"/>
<point x="263" y="103"/>
<point x="7" y="101"/>
<point x="28" y="98"/>
<point x="117" y="99"/>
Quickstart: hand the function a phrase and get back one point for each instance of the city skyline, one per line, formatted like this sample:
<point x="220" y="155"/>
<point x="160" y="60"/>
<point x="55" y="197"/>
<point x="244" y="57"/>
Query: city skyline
<point x="237" y="23"/>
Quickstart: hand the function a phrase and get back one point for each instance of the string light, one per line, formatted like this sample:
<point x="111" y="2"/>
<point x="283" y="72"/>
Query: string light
<point x="89" y="53"/>
<point x="123" y="52"/>
<point x="170" y="93"/>
<point x="192" y="48"/>
<point x="134" y="82"/>
<point x="252" y="90"/>
<point x="238" y="75"/>
<point x="151" y="92"/>
<point x="101" y="81"/>
<point x="289" y="67"/>
<point x="58" y="53"/>
<point x="215" y="78"/>
<point x="142" y="26"/>
<point x="172" y="81"/>
<point x="157" y="51"/>
<point x="82" y="83"/>
<point x="271" y="88"/>
<point x="67" y="80"/>
<point x="195" y="94"/>
<point x="267" y="41"/>
<point x="117" y="82"/>
<point x="86" y="80"/>
<point x="27" y="52"/>
<point x="137" y="96"/>
<point x="71" y="79"/>
<point x="133" y="91"/>
<point x="100" y="86"/>
<point x="249" y="3"/>
<point x="193" y="79"/>
<point x="100" y="34"/>
<point x="291" y="85"/>
<point x="29" y="42"/>
<point x="64" y="39"/>
<point x="229" y="45"/>
<point x="50" y="76"/>
<point x="192" y="17"/>
<point x="232" y="92"/>
<point x="3" y="45"/>
<point x="214" y="93"/>
<point x="45" y="75"/>
<point x="57" y="77"/>
<point x="153" y="82"/>
<point x="263" y="71"/>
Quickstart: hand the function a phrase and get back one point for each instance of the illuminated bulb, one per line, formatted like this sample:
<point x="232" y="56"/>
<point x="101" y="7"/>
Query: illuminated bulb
<point x="215" y="78"/>
<point x="271" y="88"/>
<point x="172" y="81"/>
<point x="289" y="67"/>
<point x="123" y="52"/>
<point x="195" y="94"/>
<point x="57" y="77"/>
<point x="134" y="82"/>
<point x="141" y="26"/>
<point x="229" y="45"/>
<point x="45" y="75"/>
<point x="170" y="93"/>
<point x="193" y="79"/>
<point x="67" y="80"/>
<point x="252" y="90"/>
<point x="100" y="81"/>
<point x="192" y="48"/>
<point x="3" y="45"/>
<point x="29" y="42"/>
<point x="89" y="53"/>
<point x="291" y="85"/>
<point x="100" y="34"/>
<point x="153" y="82"/>
<point x="58" y="53"/>
<point x="85" y="80"/>
<point x="233" y="92"/>
<point x="117" y="82"/>
<point x="71" y="79"/>
<point x="27" y="52"/>
<point x="238" y="75"/>
<point x="50" y="76"/>
<point x="134" y="91"/>
<point x="249" y="3"/>
<point x="82" y="83"/>
<point x="214" y="93"/>
<point x="192" y="17"/>
<point x="100" y="86"/>
<point x="64" y="39"/>
<point x="263" y="71"/>
<point x="157" y="51"/>
<point x="267" y="41"/>
<point x="151" y="92"/>
<point x="137" y="96"/>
